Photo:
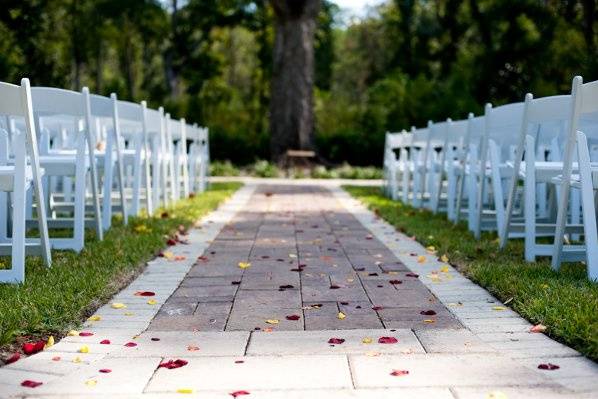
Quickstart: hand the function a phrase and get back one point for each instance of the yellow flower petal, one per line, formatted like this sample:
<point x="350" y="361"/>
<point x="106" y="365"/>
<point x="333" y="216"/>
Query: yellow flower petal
<point x="152" y="302"/>
<point x="73" y="333"/>
<point x="77" y="359"/>
<point x="431" y="248"/>
<point x="341" y="316"/>
<point x="168" y="255"/>
<point x="421" y="259"/>
<point x="272" y="321"/>
<point x="49" y="342"/>
<point x="118" y="305"/>
<point x="244" y="265"/>
<point x="91" y="383"/>
<point x="496" y="395"/>
<point x="444" y="258"/>
<point x="367" y="340"/>
<point x="429" y="321"/>
<point x="84" y="349"/>
<point x="184" y="390"/>
<point x="499" y="308"/>
<point x="129" y="314"/>
<point x="94" y="318"/>
<point x="444" y="269"/>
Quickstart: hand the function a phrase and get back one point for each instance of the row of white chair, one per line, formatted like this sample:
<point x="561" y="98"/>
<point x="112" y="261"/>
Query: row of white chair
<point x="72" y="160"/>
<point x="523" y="170"/>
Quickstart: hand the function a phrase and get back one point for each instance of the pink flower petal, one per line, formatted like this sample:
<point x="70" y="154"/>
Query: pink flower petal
<point x="31" y="384"/>
<point x="387" y="340"/>
<point x="85" y="334"/>
<point x="105" y="342"/>
<point x="238" y="393"/>
<point x="399" y="373"/>
<point x="130" y="344"/>
<point x="336" y="341"/>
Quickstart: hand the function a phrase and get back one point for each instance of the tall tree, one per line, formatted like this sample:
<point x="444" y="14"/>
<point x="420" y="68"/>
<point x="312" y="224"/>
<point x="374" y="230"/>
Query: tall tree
<point x="291" y="100"/>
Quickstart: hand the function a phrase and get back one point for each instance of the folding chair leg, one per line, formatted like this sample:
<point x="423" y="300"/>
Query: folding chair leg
<point x="18" y="215"/>
<point x="529" y="207"/>
<point x="108" y="173"/>
<point x="588" y="203"/>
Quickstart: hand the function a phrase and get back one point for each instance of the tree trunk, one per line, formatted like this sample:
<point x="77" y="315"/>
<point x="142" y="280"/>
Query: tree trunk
<point x="291" y="101"/>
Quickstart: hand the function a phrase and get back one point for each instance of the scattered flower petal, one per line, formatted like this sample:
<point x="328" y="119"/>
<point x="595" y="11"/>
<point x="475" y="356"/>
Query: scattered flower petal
<point x="336" y="341"/>
<point x="155" y="339"/>
<point x="130" y="344"/>
<point x="94" y="318"/>
<point x="56" y="358"/>
<point x="184" y="390"/>
<point x="341" y="316"/>
<point x="76" y="359"/>
<point x="83" y="349"/>
<point x="293" y="317"/>
<point x="238" y="393"/>
<point x="272" y="321"/>
<point x="367" y="340"/>
<point x="377" y="308"/>
<point x="31" y="384"/>
<point x="73" y="333"/>
<point x="105" y="371"/>
<point x="444" y="258"/>
<point x="118" y="305"/>
<point x="496" y="395"/>
<point x="244" y="265"/>
<point x="538" y="328"/>
<point x="192" y="348"/>
<point x="548" y="366"/>
<point x="429" y="321"/>
<point x="152" y="302"/>
<point x="421" y="259"/>
<point x="85" y="334"/>
<point x="49" y="342"/>
<point x="427" y="312"/>
<point x="499" y="308"/>
<point x="399" y="373"/>
<point x="91" y="383"/>
<point x="387" y="340"/>
<point x="173" y="364"/>
<point x="15" y="357"/>
<point x="412" y="275"/>
<point x="395" y="282"/>
<point x="29" y="348"/>
<point x="105" y="342"/>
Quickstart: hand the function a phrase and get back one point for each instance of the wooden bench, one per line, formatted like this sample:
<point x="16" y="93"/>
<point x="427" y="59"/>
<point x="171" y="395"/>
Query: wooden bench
<point x="294" y="157"/>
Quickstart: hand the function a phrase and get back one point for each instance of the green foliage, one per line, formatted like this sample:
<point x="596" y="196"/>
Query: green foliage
<point x="211" y="62"/>
<point x="53" y="301"/>
<point x="565" y="301"/>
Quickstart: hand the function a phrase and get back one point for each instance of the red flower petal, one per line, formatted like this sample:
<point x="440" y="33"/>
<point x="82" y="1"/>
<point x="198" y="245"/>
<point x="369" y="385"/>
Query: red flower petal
<point x="174" y="364"/>
<point x="235" y="282"/>
<point x="13" y="358"/>
<point x="412" y="275"/>
<point x="427" y="312"/>
<point x="145" y="293"/>
<point x="548" y="366"/>
<point x="334" y="287"/>
<point x="336" y="341"/>
<point x="399" y="373"/>
<point x="171" y="241"/>
<point x="238" y="393"/>
<point x="387" y="340"/>
<point x="287" y="286"/>
<point x="85" y="334"/>
<point x="377" y="308"/>
<point x="105" y="342"/>
<point x="155" y="339"/>
<point x="394" y="282"/>
<point x="239" y="361"/>
<point x="202" y="258"/>
<point x="130" y="344"/>
<point x="29" y="348"/>
<point x="105" y="371"/>
<point x="31" y="384"/>
<point x="293" y="317"/>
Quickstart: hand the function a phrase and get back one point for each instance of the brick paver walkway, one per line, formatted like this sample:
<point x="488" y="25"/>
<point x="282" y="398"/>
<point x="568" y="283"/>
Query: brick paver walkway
<point x="309" y="258"/>
<point x="410" y="326"/>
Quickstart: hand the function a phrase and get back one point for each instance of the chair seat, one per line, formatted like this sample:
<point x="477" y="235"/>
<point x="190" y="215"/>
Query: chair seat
<point x="7" y="174"/>
<point x="60" y="164"/>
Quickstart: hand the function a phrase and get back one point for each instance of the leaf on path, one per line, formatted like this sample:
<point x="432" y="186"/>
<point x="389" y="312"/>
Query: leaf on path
<point x="244" y="265"/>
<point x="399" y="373"/>
<point x="548" y="366"/>
<point x="238" y="393"/>
<point x="387" y="340"/>
<point x="341" y="316"/>
<point x="173" y="364"/>
<point x="15" y="357"/>
<point x="293" y="317"/>
<point x="31" y="384"/>
<point x="427" y="312"/>
<point x="336" y="341"/>
<point x="538" y="328"/>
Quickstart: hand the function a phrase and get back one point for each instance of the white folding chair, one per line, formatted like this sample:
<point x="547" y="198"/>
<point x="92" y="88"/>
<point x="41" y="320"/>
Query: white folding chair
<point x="180" y="158"/>
<point x="583" y="117"/>
<point x="197" y="158"/>
<point x="17" y="176"/>
<point x="392" y="165"/>
<point x="51" y="103"/>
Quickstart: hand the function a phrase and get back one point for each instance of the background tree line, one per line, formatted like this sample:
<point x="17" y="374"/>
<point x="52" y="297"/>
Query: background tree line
<point x="211" y="61"/>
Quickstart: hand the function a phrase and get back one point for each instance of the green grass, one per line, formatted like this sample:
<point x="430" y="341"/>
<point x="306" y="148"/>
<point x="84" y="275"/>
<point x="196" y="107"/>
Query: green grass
<point x="53" y="301"/>
<point x="565" y="301"/>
